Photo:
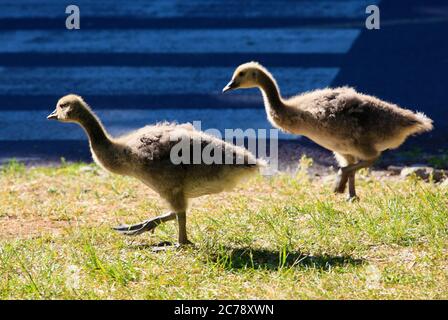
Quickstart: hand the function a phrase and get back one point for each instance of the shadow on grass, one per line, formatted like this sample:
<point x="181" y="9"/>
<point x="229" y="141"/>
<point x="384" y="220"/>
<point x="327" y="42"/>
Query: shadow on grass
<point x="231" y="258"/>
<point x="240" y="258"/>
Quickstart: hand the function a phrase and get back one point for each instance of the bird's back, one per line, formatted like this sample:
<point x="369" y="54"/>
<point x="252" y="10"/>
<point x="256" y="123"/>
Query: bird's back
<point x="345" y="109"/>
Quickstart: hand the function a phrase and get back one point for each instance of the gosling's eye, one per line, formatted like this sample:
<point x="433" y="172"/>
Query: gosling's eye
<point x="63" y="105"/>
<point x="241" y="74"/>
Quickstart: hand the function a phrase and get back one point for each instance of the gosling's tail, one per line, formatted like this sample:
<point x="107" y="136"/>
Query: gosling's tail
<point x="422" y="123"/>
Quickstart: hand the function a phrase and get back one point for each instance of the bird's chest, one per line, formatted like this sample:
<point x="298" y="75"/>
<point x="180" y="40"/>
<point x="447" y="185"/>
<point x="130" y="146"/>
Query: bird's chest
<point x="110" y="160"/>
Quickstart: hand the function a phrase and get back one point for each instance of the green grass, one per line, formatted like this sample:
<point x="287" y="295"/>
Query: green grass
<point x="282" y="237"/>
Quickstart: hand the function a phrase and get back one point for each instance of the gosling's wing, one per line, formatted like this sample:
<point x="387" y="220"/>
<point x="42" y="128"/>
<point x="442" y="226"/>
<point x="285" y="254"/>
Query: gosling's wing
<point x="182" y="143"/>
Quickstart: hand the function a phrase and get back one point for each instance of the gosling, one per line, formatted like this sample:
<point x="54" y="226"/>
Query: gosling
<point x="355" y="126"/>
<point x="146" y="155"/>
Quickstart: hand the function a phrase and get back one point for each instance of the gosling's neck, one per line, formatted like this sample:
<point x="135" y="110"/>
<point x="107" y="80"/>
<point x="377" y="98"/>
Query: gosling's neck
<point x="277" y="111"/>
<point x="281" y="114"/>
<point x="273" y="101"/>
<point x="98" y="136"/>
<point x="105" y="151"/>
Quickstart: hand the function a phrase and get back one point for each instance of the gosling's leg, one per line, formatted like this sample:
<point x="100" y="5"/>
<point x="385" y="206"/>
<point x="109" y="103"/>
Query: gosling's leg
<point x="351" y="187"/>
<point x="182" y="222"/>
<point x="350" y="171"/>
<point x="341" y="181"/>
<point x="146" y="225"/>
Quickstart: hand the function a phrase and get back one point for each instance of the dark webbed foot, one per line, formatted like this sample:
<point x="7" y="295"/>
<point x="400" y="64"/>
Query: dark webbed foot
<point x="139" y="228"/>
<point x="185" y="243"/>
<point x="147" y="225"/>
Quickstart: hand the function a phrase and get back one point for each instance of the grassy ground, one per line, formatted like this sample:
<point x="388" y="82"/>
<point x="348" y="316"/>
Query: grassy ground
<point x="282" y="238"/>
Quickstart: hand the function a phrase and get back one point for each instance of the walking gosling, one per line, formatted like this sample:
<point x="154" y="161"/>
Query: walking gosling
<point x="145" y="155"/>
<point x="356" y="127"/>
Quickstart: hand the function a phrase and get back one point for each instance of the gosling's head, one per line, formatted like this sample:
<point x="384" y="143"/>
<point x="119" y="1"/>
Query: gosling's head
<point x="247" y="75"/>
<point x="69" y="108"/>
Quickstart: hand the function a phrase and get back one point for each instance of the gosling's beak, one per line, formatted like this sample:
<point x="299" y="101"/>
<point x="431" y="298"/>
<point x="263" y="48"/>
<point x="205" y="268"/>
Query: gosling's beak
<point x="230" y="86"/>
<point x="53" y="115"/>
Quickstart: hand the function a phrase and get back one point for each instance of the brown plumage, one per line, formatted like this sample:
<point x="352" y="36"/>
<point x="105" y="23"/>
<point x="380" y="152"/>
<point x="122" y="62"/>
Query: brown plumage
<point x="146" y="155"/>
<point x="355" y="126"/>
